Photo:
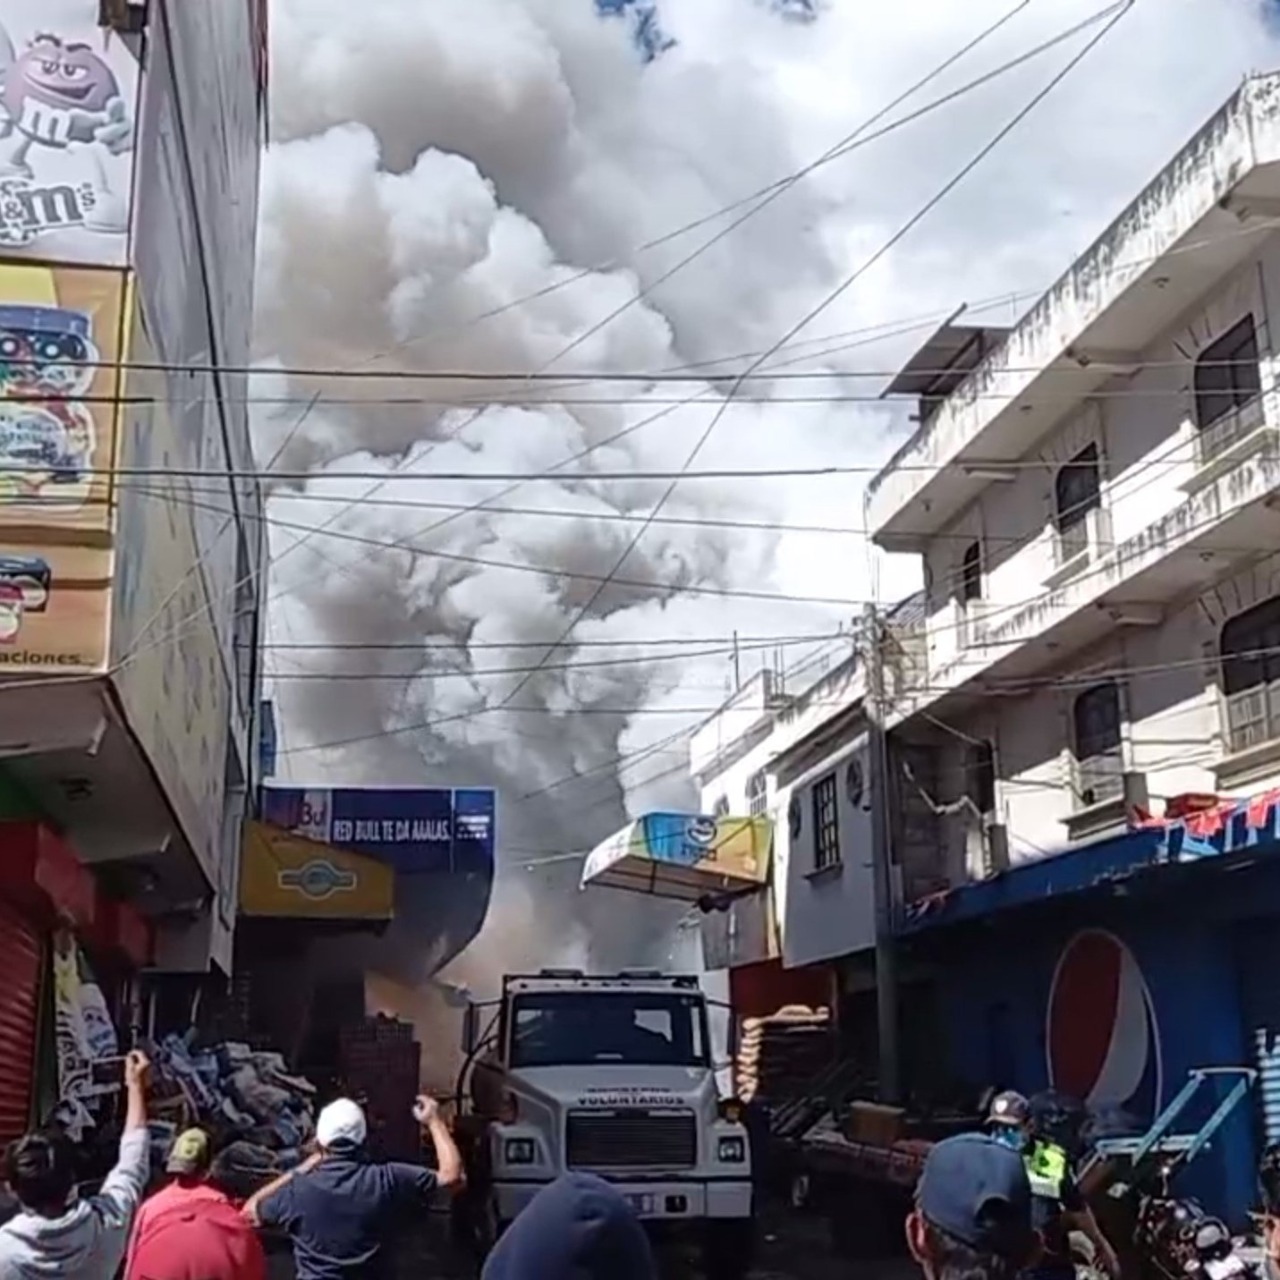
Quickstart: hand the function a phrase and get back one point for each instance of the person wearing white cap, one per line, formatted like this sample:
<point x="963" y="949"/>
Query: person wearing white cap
<point x="339" y="1206"/>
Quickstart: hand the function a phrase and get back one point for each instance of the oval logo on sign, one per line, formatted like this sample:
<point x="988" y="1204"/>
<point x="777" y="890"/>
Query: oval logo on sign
<point x="318" y="880"/>
<point x="1102" y="1040"/>
<point x="702" y="831"/>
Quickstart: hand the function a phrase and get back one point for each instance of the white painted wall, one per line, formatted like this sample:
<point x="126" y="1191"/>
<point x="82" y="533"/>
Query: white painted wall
<point x="816" y="920"/>
<point x="1147" y="441"/>
<point x="1175" y="727"/>
<point x="829" y="912"/>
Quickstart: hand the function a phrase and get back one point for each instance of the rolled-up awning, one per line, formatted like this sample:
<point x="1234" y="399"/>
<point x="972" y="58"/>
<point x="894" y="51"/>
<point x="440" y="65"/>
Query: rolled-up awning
<point x="683" y="855"/>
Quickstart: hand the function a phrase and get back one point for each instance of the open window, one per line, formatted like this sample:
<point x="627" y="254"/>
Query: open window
<point x="1250" y="650"/>
<point x="1228" y="389"/>
<point x="1077" y="494"/>
<point x="1097" y="744"/>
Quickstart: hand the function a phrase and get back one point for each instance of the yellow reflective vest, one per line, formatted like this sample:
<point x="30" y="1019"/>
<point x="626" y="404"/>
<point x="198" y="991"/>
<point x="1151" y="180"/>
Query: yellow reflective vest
<point x="1047" y="1170"/>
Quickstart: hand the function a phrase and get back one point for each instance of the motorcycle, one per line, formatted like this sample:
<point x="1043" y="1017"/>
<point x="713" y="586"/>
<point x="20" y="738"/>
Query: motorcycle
<point x="1180" y="1241"/>
<point x="1174" y="1236"/>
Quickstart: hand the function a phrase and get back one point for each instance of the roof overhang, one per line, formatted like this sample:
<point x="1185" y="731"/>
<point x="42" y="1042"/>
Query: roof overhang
<point x="1201" y="218"/>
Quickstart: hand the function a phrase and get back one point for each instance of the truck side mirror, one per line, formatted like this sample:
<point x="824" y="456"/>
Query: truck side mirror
<point x="470" y="1029"/>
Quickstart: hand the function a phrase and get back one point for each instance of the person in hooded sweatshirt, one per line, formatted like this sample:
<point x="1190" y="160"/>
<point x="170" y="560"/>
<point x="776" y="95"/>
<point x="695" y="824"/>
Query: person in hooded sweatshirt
<point x="577" y="1228"/>
<point x="191" y="1230"/>
<point x="58" y="1234"/>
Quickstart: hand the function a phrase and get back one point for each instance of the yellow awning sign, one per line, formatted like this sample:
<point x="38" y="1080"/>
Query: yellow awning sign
<point x="285" y="875"/>
<point x="682" y="855"/>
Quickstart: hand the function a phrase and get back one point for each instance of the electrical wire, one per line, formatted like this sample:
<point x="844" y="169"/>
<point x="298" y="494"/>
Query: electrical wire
<point x="848" y="143"/>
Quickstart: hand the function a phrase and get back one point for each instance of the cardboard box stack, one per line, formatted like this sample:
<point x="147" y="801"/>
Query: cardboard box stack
<point x="382" y="1065"/>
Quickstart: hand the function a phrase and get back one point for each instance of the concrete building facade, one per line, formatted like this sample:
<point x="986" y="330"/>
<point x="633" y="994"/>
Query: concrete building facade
<point x="1095" y="506"/>
<point x="1093" y="496"/>
<point x="131" y="534"/>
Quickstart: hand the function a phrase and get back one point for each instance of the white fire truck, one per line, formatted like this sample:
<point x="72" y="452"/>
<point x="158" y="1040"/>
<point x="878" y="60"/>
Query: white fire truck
<point x="611" y="1075"/>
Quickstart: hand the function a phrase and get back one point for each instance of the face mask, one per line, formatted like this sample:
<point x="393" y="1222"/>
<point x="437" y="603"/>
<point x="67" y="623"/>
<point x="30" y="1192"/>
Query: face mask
<point x="1012" y="1138"/>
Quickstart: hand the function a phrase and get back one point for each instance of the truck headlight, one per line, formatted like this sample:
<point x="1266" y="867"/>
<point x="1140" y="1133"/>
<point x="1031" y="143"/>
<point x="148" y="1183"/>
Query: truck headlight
<point x="732" y="1150"/>
<point x="519" y="1151"/>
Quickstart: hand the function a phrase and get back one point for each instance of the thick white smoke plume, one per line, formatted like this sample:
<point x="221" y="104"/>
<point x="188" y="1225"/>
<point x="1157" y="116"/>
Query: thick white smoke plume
<point x="469" y="186"/>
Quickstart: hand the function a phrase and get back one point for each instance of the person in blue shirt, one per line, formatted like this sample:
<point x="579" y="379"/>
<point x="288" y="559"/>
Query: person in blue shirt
<point x="576" y="1228"/>
<point x="340" y="1208"/>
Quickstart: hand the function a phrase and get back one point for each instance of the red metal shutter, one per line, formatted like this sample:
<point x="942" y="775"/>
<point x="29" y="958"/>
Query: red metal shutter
<point x="22" y="950"/>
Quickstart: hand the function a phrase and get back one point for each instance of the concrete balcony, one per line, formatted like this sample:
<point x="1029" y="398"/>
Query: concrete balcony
<point x="1200" y="219"/>
<point x="1232" y="502"/>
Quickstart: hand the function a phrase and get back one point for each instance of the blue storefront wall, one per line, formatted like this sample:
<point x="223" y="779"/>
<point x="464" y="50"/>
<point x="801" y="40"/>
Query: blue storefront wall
<point x="1114" y="969"/>
<point x="996" y="995"/>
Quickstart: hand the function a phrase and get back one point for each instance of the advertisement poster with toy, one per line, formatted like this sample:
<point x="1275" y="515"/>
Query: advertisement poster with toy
<point x="68" y="104"/>
<point x="54" y="605"/>
<point x="87" y="1044"/>
<point x="59" y="381"/>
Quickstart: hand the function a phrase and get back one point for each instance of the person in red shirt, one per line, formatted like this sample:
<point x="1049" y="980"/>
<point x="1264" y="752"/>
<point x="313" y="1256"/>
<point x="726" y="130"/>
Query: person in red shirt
<point x="191" y="1230"/>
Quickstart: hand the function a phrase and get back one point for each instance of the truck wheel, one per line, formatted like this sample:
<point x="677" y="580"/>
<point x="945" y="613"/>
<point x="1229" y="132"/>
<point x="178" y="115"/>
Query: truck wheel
<point x="728" y="1247"/>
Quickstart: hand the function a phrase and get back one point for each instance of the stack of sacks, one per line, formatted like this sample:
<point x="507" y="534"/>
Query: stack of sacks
<point x="779" y="1055"/>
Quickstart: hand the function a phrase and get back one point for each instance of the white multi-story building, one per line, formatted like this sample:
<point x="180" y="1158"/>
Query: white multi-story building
<point x="794" y="748"/>
<point x="1095" y="496"/>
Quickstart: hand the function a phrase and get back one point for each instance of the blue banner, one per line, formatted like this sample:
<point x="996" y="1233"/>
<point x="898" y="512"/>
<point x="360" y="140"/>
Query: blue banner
<point x="414" y="830"/>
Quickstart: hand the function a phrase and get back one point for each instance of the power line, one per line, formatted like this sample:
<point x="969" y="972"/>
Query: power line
<point x="766" y="191"/>
<point x="762" y="641"/>
<point x="848" y="143"/>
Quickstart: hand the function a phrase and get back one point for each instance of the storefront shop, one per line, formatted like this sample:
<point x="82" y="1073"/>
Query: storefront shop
<point x="1111" y="970"/>
<point x="44" y="891"/>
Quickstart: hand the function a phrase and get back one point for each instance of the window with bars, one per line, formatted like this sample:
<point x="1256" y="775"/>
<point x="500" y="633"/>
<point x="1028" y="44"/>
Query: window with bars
<point x="1228" y="389"/>
<point x="1097" y="742"/>
<point x="980" y="776"/>
<point x="1250" y="650"/>
<point x="758" y="794"/>
<point x="826" y="824"/>
<point x="1077" y="492"/>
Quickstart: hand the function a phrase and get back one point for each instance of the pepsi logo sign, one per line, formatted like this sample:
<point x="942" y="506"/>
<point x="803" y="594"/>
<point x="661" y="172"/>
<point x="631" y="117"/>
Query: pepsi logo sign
<point x="1102" y="1039"/>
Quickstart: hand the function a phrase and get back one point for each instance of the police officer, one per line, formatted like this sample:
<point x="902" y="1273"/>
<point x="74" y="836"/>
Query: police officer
<point x="1058" y="1208"/>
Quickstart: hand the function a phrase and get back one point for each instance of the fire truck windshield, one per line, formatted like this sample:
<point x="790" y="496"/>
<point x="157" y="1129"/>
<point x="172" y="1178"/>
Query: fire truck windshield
<point x="577" y="1028"/>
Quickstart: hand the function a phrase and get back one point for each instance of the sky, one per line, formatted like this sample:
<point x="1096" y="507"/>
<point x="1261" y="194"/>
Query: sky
<point x="505" y="187"/>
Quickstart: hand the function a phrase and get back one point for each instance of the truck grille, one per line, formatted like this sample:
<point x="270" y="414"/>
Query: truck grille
<point x="631" y="1140"/>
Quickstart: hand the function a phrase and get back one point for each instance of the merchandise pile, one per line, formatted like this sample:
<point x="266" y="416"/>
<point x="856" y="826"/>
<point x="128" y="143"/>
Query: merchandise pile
<point x="248" y="1099"/>
<point x="780" y="1055"/>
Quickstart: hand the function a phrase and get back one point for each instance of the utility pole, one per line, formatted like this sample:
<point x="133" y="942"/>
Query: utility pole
<point x="737" y="664"/>
<point x="890" y="1068"/>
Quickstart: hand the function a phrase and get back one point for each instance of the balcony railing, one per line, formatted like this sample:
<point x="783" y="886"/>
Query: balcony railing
<point x="1219" y="436"/>
<point x="973" y="617"/>
<point x="1253" y="716"/>
<point x="1085" y="541"/>
<point x="1099" y="778"/>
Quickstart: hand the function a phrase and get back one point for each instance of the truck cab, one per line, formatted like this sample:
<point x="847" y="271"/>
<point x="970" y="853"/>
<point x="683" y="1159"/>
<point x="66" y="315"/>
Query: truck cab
<point x="614" y="1075"/>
